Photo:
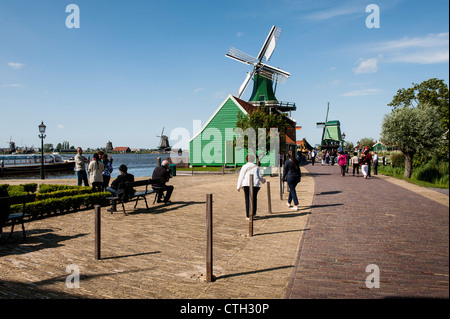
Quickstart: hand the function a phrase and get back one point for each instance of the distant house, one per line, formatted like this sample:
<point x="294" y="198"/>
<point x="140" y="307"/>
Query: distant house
<point x="122" y="149"/>
<point x="381" y="147"/>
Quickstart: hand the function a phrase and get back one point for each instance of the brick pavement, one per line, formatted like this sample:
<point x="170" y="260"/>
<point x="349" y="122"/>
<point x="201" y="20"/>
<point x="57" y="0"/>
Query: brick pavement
<point x="160" y="253"/>
<point x="355" y="223"/>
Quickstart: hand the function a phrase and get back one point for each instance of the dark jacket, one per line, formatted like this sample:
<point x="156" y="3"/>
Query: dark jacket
<point x="163" y="174"/>
<point x="4" y="209"/>
<point x="122" y="178"/>
<point x="290" y="171"/>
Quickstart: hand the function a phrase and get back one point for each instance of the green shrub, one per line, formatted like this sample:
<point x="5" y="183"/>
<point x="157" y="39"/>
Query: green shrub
<point x="64" y="193"/>
<point x="63" y="204"/>
<point x="47" y="188"/>
<point x="398" y="160"/>
<point x="426" y="174"/>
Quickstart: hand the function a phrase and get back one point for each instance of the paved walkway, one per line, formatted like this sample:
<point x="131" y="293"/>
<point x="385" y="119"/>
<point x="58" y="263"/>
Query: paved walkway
<point x="322" y="250"/>
<point x="355" y="223"/>
<point x="160" y="252"/>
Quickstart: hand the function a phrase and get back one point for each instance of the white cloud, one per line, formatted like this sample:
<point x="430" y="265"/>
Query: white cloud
<point x="60" y="126"/>
<point x="367" y="66"/>
<point x="14" y="85"/>
<point x="429" y="49"/>
<point x="240" y="34"/>
<point x="15" y="65"/>
<point x="197" y="90"/>
<point x="332" y="13"/>
<point x="362" y="92"/>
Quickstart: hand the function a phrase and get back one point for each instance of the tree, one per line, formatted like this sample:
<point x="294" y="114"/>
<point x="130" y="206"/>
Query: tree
<point x="412" y="130"/>
<point x="261" y="118"/>
<point x="433" y="92"/>
<point x="366" y="141"/>
<point x="48" y="147"/>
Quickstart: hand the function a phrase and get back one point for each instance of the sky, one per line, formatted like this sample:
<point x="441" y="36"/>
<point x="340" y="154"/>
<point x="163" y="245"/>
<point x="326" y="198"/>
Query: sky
<point x="132" y="68"/>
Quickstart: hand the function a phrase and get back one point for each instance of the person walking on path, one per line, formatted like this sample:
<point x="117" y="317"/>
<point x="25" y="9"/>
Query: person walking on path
<point x="244" y="182"/>
<point x="342" y="162"/>
<point x="292" y="175"/>
<point x="365" y="161"/>
<point x="313" y="156"/>
<point x="80" y="167"/>
<point x="347" y="156"/>
<point x="95" y="170"/>
<point x="355" y="163"/>
<point x="375" y="163"/>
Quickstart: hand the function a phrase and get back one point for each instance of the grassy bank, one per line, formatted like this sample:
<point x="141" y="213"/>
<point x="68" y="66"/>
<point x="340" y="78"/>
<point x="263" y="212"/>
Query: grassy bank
<point x="440" y="181"/>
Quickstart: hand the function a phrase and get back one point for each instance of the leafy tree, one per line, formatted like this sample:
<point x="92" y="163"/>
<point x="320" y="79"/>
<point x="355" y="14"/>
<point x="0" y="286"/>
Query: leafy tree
<point x="261" y="118"/>
<point x="48" y="147"/>
<point x="433" y="92"/>
<point x="366" y="141"/>
<point x="412" y="130"/>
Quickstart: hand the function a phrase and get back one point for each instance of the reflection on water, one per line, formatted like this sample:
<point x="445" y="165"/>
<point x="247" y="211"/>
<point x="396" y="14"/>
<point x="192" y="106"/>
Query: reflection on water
<point x="140" y="165"/>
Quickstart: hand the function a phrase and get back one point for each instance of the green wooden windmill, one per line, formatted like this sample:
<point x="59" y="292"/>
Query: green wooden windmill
<point x="264" y="76"/>
<point x="331" y="134"/>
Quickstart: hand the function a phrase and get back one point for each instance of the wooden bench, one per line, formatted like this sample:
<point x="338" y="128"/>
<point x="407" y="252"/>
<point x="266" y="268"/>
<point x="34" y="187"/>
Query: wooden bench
<point x="14" y="218"/>
<point x="129" y="192"/>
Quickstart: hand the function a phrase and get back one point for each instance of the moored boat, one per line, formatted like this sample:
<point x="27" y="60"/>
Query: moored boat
<point x="31" y="163"/>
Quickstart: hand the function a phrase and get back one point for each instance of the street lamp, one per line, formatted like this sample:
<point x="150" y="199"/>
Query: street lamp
<point x="42" y="136"/>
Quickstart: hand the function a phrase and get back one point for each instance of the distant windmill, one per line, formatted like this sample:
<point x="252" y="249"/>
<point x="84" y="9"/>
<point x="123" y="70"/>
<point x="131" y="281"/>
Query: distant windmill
<point x="164" y="145"/>
<point x="323" y="124"/>
<point x="12" y="145"/>
<point x="331" y="134"/>
<point x="263" y="74"/>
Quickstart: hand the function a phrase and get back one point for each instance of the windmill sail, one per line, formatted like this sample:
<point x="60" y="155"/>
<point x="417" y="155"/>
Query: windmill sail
<point x="269" y="72"/>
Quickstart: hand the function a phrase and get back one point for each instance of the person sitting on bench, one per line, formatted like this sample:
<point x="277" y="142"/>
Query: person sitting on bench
<point x="122" y="178"/>
<point x="4" y="210"/>
<point x="163" y="173"/>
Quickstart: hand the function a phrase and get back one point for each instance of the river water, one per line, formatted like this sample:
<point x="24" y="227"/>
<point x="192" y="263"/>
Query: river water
<point x="140" y="165"/>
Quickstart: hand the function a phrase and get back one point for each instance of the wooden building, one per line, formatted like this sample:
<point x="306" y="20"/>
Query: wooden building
<point x="213" y="145"/>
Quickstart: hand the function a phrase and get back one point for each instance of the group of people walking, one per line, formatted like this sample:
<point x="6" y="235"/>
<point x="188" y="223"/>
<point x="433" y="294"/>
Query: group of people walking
<point x="291" y="174"/>
<point x="366" y="161"/>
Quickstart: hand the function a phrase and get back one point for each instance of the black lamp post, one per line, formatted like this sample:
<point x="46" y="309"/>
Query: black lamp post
<point x="42" y="136"/>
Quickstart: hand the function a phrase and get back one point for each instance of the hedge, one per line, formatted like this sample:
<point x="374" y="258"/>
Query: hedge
<point x="63" y="204"/>
<point x="47" y="188"/>
<point x="64" y="193"/>
<point x="22" y="189"/>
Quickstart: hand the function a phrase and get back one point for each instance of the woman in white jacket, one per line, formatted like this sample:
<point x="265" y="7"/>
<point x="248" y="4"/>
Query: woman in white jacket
<point x="95" y="169"/>
<point x="244" y="182"/>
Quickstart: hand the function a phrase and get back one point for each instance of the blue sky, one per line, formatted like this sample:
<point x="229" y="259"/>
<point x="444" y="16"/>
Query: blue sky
<point x="134" y="67"/>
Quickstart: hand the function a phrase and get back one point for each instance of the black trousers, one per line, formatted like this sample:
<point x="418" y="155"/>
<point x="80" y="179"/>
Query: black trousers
<point x="168" y="189"/>
<point x="247" y="199"/>
<point x="355" y="167"/>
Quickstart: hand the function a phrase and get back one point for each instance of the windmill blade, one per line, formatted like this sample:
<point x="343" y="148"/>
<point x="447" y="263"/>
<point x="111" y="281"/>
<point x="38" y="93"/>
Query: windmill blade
<point x="270" y="44"/>
<point x="273" y="74"/>
<point x="272" y="69"/>
<point x="245" y="83"/>
<point x="240" y="56"/>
